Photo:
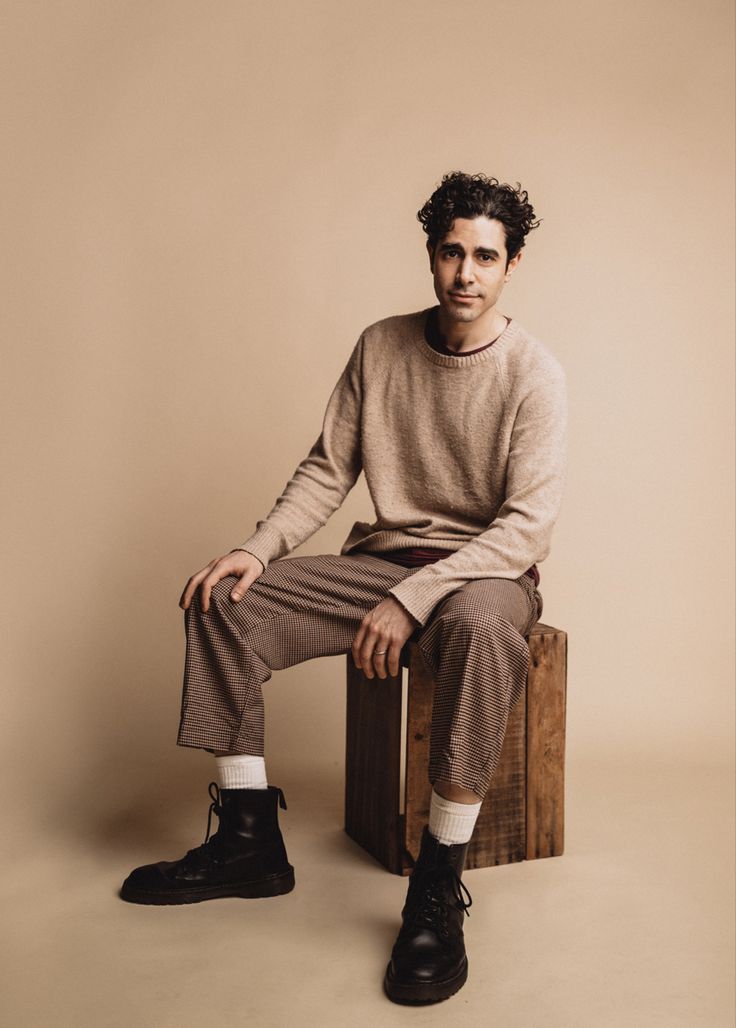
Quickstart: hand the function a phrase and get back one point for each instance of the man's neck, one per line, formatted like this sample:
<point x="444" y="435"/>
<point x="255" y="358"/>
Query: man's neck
<point x="459" y="336"/>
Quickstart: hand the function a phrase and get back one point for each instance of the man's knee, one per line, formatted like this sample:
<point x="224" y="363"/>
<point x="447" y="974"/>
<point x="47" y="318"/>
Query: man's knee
<point x="466" y="618"/>
<point x="219" y="596"/>
<point x="486" y="608"/>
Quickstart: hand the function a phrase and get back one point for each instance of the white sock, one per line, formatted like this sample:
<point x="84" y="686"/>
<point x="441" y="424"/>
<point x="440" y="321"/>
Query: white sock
<point x="451" y="823"/>
<point x="242" y="771"/>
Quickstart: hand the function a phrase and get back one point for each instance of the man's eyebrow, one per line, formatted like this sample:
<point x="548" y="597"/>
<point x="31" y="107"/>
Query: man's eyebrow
<point x="479" y="249"/>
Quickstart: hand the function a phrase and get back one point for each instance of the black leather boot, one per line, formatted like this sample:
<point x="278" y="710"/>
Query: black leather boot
<point x="245" y="857"/>
<point x="428" y="961"/>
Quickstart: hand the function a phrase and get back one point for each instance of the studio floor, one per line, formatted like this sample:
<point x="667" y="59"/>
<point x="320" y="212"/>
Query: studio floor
<point x="632" y="927"/>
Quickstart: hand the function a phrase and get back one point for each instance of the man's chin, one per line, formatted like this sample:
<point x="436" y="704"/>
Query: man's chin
<point x="460" y="313"/>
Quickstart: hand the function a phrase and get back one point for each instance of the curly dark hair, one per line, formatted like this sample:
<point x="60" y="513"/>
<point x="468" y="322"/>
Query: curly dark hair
<point x="469" y="196"/>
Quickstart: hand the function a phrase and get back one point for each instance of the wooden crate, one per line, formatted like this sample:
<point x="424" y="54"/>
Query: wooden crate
<point x="522" y="817"/>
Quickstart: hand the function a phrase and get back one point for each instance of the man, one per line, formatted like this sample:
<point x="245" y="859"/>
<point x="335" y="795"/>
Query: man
<point x="457" y="416"/>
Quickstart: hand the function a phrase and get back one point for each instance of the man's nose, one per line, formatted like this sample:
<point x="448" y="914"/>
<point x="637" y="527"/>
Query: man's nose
<point x="465" y="271"/>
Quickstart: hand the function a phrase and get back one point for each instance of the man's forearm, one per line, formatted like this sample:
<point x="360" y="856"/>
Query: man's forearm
<point x="323" y="479"/>
<point x="311" y="496"/>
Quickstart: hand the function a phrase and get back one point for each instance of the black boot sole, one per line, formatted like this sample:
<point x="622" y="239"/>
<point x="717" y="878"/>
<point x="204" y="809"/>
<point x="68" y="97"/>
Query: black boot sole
<point x="274" y="885"/>
<point x="419" y="994"/>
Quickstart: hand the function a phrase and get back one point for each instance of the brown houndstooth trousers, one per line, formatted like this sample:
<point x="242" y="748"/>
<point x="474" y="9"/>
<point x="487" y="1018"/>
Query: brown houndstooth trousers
<point x="304" y="607"/>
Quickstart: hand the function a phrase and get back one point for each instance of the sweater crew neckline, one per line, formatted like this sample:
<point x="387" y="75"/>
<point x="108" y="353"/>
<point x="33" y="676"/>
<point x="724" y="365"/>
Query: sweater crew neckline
<point x="462" y="360"/>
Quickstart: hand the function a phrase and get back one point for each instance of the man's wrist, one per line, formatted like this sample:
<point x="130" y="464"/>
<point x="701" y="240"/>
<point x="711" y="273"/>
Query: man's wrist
<point x="250" y="553"/>
<point x="408" y="613"/>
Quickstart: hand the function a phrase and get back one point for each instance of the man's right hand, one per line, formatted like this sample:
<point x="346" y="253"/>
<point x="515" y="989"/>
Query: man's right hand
<point x="237" y="562"/>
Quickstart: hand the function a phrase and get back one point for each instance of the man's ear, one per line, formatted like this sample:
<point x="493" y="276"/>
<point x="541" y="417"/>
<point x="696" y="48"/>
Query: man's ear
<point x="512" y="265"/>
<point x="430" y="251"/>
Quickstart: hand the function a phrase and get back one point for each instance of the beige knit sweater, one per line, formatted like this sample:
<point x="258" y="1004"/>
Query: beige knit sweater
<point x="467" y="454"/>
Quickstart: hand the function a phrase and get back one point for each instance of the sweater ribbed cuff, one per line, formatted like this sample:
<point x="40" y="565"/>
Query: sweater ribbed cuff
<point x="418" y="599"/>
<point x="265" y="544"/>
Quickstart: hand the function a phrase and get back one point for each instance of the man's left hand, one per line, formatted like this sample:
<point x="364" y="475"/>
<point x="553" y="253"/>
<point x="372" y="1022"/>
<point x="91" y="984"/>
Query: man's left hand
<point x="377" y="646"/>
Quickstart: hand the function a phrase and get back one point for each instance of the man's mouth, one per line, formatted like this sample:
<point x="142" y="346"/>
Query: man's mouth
<point x="464" y="296"/>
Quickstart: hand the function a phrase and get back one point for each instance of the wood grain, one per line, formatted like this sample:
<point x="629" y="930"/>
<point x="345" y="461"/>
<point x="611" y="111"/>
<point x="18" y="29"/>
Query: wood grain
<point x="373" y="765"/>
<point x="546" y="709"/>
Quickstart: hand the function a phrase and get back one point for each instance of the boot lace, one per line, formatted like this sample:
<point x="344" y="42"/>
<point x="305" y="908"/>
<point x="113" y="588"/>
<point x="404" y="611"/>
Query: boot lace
<point x="207" y="852"/>
<point x="429" y="905"/>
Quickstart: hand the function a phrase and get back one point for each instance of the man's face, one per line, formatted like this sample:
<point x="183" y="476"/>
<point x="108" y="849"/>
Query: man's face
<point x="469" y="268"/>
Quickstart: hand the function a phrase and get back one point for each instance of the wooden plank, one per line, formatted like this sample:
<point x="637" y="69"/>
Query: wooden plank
<point x="418" y="790"/>
<point x="500" y="831"/>
<point x="545" y="763"/>
<point x="373" y="764"/>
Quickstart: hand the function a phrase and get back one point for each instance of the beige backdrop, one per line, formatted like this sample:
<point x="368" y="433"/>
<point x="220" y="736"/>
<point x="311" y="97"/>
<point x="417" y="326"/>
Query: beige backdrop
<point x="204" y="205"/>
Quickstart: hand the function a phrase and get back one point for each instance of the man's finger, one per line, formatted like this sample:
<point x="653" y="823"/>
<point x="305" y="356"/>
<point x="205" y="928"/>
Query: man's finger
<point x="366" y="650"/>
<point x="366" y="663"/>
<point x="379" y="660"/>
<point x="357" y="643"/>
<point x="242" y="586"/>
<point x="365" y="657"/>
<point x="191" y="587"/>
<point x="186" y="595"/>
<point x="207" y="586"/>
